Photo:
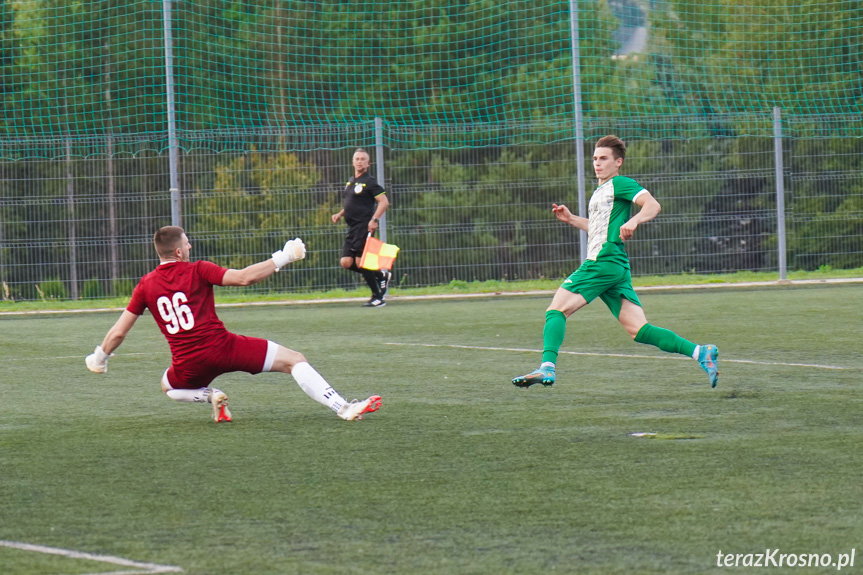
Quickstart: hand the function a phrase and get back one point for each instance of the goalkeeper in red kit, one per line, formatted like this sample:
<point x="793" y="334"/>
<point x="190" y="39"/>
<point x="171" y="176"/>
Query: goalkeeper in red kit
<point x="179" y="294"/>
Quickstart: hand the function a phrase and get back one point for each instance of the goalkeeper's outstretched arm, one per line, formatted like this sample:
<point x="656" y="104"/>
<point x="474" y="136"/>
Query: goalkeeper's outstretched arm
<point x="97" y="361"/>
<point x="294" y="250"/>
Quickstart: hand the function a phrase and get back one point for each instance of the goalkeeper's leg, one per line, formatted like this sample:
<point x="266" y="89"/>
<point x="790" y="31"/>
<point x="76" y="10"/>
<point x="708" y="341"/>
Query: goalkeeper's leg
<point x="293" y="362"/>
<point x="216" y="397"/>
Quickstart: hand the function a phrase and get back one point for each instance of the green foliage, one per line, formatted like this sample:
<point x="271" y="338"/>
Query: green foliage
<point x="52" y="289"/>
<point x="476" y="220"/>
<point x="86" y="68"/>
<point x="731" y="56"/>
<point x="259" y="82"/>
<point x="253" y="205"/>
<point x="92" y="289"/>
<point x="832" y="240"/>
<point x="721" y="64"/>
<point x="827" y="227"/>
<point x="122" y="287"/>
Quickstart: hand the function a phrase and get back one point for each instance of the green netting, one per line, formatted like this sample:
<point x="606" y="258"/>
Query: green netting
<point x="457" y="73"/>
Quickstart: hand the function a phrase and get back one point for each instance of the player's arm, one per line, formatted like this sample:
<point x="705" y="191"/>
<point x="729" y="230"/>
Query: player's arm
<point x="249" y="275"/>
<point x="380" y="209"/>
<point x="563" y="214"/>
<point x="649" y="208"/>
<point x="337" y="216"/>
<point x="97" y="361"/>
<point x="294" y="250"/>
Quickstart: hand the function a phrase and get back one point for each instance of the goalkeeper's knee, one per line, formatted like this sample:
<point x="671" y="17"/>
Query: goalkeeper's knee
<point x="166" y="387"/>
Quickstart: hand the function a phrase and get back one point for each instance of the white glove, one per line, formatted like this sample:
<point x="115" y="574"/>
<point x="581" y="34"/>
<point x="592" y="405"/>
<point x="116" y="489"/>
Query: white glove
<point x="97" y="362"/>
<point x="294" y="250"/>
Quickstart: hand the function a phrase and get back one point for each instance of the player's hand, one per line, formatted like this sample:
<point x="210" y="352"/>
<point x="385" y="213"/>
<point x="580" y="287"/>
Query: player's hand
<point x="336" y="217"/>
<point x="97" y="362"/>
<point x="294" y="250"/>
<point x="627" y="230"/>
<point x="562" y="212"/>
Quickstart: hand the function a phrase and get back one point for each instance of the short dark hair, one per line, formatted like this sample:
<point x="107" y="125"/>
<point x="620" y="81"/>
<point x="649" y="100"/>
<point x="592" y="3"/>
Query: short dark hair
<point x="168" y="239"/>
<point x="617" y="146"/>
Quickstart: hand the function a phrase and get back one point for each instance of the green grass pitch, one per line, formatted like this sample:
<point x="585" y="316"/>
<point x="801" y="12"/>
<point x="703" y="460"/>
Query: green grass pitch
<point x="459" y="472"/>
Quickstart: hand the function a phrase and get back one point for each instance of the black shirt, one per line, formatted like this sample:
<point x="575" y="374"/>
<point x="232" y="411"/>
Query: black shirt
<point x="359" y="199"/>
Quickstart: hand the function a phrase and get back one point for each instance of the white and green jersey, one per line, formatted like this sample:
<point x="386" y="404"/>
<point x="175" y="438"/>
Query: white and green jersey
<point x="609" y="208"/>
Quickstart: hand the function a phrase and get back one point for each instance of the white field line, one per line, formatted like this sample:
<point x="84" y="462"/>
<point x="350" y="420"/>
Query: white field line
<point x="81" y="357"/>
<point x="138" y="568"/>
<point x="516" y="349"/>
<point x="626" y="355"/>
<point x="684" y="287"/>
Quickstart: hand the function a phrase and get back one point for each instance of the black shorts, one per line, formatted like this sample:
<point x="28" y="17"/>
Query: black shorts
<point x="355" y="240"/>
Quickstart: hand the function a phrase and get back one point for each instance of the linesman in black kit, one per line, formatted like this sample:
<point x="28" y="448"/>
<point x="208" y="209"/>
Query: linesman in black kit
<point x="365" y="202"/>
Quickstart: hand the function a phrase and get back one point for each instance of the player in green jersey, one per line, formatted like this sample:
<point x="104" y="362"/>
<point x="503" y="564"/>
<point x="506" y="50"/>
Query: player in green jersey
<point x="605" y="272"/>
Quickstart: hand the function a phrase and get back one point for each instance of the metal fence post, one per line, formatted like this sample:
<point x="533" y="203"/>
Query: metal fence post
<point x="72" y="226"/>
<point x="780" y="193"/>
<point x="379" y="168"/>
<point x="173" y="143"/>
<point x="579" y="124"/>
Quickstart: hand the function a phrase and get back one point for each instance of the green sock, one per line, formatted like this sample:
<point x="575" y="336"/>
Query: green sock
<point x="552" y="335"/>
<point x="664" y="339"/>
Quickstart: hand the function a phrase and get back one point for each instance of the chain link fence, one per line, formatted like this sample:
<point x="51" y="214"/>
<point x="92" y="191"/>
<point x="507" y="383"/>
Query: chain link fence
<point x="81" y="228"/>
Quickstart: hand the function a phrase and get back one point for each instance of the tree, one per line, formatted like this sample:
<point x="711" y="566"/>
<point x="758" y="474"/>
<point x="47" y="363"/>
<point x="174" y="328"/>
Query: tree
<point x="251" y="207"/>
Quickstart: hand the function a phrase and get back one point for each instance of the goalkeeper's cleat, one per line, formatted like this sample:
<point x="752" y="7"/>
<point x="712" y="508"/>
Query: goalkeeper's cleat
<point x="543" y="375"/>
<point x="375" y="301"/>
<point x="354" y="410"/>
<point x="220" y="406"/>
<point x="707" y="357"/>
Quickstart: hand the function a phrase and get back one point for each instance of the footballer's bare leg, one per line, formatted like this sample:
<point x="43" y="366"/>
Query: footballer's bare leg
<point x="567" y="302"/>
<point x="632" y="317"/>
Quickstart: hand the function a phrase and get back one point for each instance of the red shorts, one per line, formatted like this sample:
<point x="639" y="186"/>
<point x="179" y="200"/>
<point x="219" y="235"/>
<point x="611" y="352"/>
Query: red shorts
<point x="233" y="353"/>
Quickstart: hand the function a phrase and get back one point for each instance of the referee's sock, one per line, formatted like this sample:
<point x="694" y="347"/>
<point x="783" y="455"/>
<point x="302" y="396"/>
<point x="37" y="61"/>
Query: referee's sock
<point x="316" y="386"/>
<point x="372" y="277"/>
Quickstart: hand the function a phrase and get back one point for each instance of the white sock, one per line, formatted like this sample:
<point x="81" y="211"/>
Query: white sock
<point x="316" y="386"/>
<point x="696" y="352"/>
<point x="200" y="395"/>
<point x="547" y="364"/>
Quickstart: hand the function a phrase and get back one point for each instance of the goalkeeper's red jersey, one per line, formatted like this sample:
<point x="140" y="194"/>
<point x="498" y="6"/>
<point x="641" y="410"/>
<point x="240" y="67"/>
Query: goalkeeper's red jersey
<point x="180" y="297"/>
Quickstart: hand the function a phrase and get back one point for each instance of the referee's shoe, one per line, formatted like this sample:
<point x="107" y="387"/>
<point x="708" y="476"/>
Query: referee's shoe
<point x="376" y="301"/>
<point x="385" y="282"/>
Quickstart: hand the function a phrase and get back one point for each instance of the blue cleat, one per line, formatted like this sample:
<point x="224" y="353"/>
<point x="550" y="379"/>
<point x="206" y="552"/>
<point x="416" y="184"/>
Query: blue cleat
<point x="543" y="375"/>
<point x="707" y="356"/>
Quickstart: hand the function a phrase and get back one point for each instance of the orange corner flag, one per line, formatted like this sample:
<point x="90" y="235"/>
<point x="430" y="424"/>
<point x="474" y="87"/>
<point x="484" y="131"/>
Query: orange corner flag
<point x="378" y="255"/>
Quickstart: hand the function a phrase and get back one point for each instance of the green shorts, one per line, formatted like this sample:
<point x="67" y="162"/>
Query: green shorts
<point x="608" y="281"/>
